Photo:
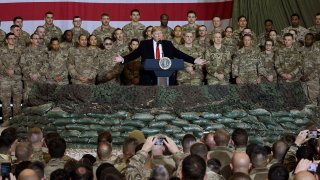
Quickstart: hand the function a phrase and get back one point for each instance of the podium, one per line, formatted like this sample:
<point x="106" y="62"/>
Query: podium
<point x="163" y="68"/>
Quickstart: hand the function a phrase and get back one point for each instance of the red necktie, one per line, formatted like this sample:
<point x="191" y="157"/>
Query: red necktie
<point x="157" y="52"/>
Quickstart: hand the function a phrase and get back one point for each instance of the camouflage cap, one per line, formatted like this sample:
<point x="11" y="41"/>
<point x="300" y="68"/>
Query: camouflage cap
<point x="137" y="134"/>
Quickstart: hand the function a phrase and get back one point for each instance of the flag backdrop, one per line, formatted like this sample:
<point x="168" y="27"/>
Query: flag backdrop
<point x="119" y="11"/>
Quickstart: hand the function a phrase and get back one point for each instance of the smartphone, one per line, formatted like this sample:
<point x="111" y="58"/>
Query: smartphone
<point x="159" y="141"/>
<point x="312" y="134"/>
<point x="5" y="170"/>
<point x="313" y="167"/>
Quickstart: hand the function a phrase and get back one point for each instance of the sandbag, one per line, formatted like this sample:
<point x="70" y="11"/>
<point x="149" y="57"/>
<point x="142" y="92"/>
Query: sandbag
<point x="214" y="126"/>
<point x="157" y="124"/>
<point x="192" y="128"/>
<point x="110" y="121"/>
<point x="142" y="116"/>
<point x="120" y="115"/>
<point x="165" y="117"/>
<point x="150" y="131"/>
<point x="209" y="115"/>
<point x="259" y="112"/>
<point x="37" y="110"/>
<point x="189" y="116"/>
<point x="236" y="114"/>
<point x="78" y="127"/>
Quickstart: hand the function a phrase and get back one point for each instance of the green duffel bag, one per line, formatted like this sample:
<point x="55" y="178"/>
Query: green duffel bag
<point x="165" y="117"/>
<point x="193" y="128"/>
<point x="189" y="116"/>
<point x="150" y="131"/>
<point x="38" y="110"/>
<point x="214" y="126"/>
<point x="134" y="123"/>
<point x="110" y="121"/>
<point x="142" y="116"/>
<point x="157" y="124"/>
<point x="78" y="127"/>
<point x="209" y="115"/>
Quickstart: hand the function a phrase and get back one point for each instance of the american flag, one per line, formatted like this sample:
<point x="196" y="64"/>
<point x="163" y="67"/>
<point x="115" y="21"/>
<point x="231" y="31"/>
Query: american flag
<point x="119" y="11"/>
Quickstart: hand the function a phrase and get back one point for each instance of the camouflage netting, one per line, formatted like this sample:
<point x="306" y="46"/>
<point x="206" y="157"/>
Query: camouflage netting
<point x="79" y="113"/>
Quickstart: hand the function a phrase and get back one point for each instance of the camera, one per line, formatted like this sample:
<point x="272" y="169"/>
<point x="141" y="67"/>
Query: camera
<point x="313" y="134"/>
<point x="159" y="141"/>
<point x="5" y="170"/>
<point x="313" y="167"/>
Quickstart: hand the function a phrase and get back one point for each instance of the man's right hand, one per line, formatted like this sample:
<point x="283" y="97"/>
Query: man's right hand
<point x="118" y="59"/>
<point x="147" y="146"/>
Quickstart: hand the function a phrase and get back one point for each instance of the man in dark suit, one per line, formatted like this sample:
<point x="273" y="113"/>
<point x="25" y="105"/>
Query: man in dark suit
<point x="156" y="48"/>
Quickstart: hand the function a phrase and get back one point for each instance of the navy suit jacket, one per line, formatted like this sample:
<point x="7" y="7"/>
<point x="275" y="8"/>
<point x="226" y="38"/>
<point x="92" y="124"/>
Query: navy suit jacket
<point x="146" y="51"/>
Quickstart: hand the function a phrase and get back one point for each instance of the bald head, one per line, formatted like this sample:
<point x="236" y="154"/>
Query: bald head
<point x="304" y="175"/>
<point x="240" y="162"/>
<point x="104" y="150"/>
<point x="279" y="150"/>
<point x="28" y="174"/>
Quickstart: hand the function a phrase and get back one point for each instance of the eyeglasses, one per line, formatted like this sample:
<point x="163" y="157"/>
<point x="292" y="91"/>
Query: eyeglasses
<point x="108" y="44"/>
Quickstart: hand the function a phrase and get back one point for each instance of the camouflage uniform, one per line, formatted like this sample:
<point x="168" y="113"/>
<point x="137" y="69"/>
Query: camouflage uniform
<point x="120" y="48"/>
<point x="310" y="68"/>
<point x="167" y="161"/>
<point x="268" y="63"/>
<point x="77" y="33"/>
<point x="107" y="65"/>
<point x="10" y="86"/>
<point x="66" y="45"/>
<point x="230" y="44"/>
<point x="218" y="62"/>
<point x="99" y="162"/>
<point x="288" y="61"/>
<point x="167" y="33"/>
<point x="301" y="32"/>
<point x="314" y="30"/>
<point x="82" y="63"/>
<point x="188" y="28"/>
<point x="101" y="33"/>
<point x="131" y="72"/>
<point x="38" y="154"/>
<point x="175" y="43"/>
<point x="203" y="43"/>
<point x="33" y="63"/>
<point x="121" y="164"/>
<point x="259" y="173"/>
<point x="237" y="34"/>
<point x="247" y="65"/>
<point x="24" y="39"/>
<point x="51" y="31"/>
<point x="184" y="77"/>
<point x="135" y="170"/>
<point x="53" y="165"/>
<point x="57" y="66"/>
<point x="2" y="37"/>
<point x="218" y="29"/>
<point x="134" y="31"/>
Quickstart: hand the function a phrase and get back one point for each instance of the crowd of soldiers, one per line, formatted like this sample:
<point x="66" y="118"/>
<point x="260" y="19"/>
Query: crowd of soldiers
<point x="233" y="55"/>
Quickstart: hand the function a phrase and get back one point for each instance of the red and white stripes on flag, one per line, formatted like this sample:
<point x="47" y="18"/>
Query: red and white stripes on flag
<point x="119" y="11"/>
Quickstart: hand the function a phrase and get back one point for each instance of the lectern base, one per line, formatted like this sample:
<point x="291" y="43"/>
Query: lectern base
<point x="163" y="81"/>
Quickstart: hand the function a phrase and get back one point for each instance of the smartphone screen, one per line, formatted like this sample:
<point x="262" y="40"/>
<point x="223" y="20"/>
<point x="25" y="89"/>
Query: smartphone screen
<point x="5" y="170"/>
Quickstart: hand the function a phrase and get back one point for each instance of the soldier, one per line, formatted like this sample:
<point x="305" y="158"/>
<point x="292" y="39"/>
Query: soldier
<point x="77" y="29"/>
<point x="16" y="30"/>
<point x="288" y="61"/>
<point x="109" y="71"/>
<point x="219" y="62"/>
<point x="67" y="40"/>
<point x="147" y="33"/>
<point x="268" y="26"/>
<point x="202" y="39"/>
<point x="228" y="41"/>
<point x="57" y="64"/>
<point x="131" y="70"/>
<point x="177" y="36"/>
<point x="315" y="29"/>
<point x="247" y="66"/>
<point x="92" y="44"/>
<point x="192" y="74"/>
<point x="268" y="59"/>
<point x="216" y="23"/>
<point x="2" y="36"/>
<point x="40" y="31"/>
<point x="191" y="26"/>
<point x="18" y="20"/>
<point x="248" y="31"/>
<point x="10" y="79"/>
<point x="166" y="30"/>
<point x="277" y="43"/>
<point x="242" y="23"/>
<point x="120" y="42"/>
<point x="310" y="69"/>
<point x="134" y="29"/>
<point x="105" y="30"/>
<point x="33" y="66"/>
<point x="50" y="29"/>
<point x="295" y="24"/>
<point x="297" y="44"/>
<point x="82" y="64"/>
